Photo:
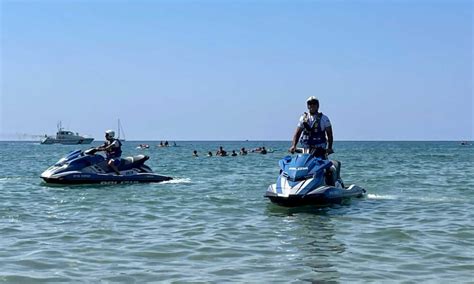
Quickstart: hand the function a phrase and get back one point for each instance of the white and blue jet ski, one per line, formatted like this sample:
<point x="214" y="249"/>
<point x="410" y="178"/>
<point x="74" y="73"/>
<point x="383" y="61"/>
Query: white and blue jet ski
<point x="307" y="180"/>
<point x="87" y="167"/>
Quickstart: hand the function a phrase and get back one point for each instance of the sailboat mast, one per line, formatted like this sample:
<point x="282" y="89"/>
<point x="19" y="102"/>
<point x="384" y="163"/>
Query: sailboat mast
<point x="120" y="130"/>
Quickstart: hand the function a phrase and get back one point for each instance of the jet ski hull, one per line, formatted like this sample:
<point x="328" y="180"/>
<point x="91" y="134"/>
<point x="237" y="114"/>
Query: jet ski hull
<point x="325" y="195"/>
<point x="78" y="178"/>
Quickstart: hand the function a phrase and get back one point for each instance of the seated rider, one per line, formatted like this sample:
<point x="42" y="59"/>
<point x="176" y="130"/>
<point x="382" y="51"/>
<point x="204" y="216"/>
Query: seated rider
<point x="113" y="150"/>
<point x="263" y="150"/>
<point x="315" y="131"/>
<point x="243" y="151"/>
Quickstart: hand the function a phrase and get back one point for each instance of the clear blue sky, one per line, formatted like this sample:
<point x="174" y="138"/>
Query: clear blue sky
<point x="236" y="70"/>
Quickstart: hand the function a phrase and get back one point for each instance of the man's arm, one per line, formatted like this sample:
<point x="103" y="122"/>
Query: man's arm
<point x="296" y="138"/>
<point x="101" y="147"/>
<point x="330" y="139"/>
<point x="105" y="147"/>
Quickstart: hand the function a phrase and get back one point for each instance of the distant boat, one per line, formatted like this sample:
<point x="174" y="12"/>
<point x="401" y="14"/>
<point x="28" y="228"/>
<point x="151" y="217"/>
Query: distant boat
<point x="66" y="137"/>
<point x="120" y="131"/>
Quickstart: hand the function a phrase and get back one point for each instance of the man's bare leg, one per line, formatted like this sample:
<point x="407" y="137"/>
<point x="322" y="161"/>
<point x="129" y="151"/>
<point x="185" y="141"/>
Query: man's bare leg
<point x="111" y="164"/>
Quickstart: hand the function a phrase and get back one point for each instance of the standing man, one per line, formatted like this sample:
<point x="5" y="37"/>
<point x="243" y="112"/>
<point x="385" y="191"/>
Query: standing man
<point x="316" y="129"/>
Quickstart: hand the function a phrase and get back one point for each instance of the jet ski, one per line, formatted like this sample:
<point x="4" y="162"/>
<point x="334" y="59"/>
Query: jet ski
<point x="307" y="180"/>
<point x="87" y="167"/>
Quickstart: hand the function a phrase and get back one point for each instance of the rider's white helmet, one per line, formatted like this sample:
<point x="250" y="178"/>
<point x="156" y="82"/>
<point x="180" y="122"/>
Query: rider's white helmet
<point x="312" y="99"/>
<point x="110" y="133"/>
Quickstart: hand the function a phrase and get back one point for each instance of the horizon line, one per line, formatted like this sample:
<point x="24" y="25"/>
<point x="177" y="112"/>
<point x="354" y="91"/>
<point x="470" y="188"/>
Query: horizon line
<point x="258" y="140"/>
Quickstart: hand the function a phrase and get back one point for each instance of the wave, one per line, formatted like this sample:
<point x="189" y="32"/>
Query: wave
<point x="178" y="180"/>
<point x="10" y="178"/>
<point x="382" y="197"/>
<point x="414" y="198"/>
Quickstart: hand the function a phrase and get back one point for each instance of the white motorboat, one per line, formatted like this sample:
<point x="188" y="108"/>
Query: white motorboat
<point x="66" y="137"/>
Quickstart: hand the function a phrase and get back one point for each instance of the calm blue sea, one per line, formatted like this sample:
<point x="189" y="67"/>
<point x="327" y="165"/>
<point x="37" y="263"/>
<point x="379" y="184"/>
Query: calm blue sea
<point x="212" y="223"/>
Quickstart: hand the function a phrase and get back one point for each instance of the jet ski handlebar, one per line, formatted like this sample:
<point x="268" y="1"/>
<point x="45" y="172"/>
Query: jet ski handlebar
<point x="301" y="150"/>
<point x="90" y="151"/>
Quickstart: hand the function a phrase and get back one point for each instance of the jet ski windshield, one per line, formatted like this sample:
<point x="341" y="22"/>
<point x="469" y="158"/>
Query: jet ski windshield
<point x="69" y="157"/>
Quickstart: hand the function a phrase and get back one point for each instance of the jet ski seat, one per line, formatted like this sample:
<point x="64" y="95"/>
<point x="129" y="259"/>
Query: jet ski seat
<point x="135" y="159"/>
<point x="337" y="166"/>
<point x="333" y="173"/>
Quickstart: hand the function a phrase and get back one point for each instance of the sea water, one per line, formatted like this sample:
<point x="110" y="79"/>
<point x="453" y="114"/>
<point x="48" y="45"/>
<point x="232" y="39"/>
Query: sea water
<point x="212" y="223"/>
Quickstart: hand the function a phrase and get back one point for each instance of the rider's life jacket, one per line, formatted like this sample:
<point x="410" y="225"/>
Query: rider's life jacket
<point x="313" y="135"/>
<point x="114" y="152"/>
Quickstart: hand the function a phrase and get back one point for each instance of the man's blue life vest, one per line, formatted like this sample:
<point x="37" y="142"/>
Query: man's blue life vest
<point x="114" y="152"/>
<point x="313" y="136"/>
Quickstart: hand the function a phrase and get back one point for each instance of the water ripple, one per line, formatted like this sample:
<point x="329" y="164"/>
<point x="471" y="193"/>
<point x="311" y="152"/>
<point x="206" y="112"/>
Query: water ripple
<point x="212" y="224"/>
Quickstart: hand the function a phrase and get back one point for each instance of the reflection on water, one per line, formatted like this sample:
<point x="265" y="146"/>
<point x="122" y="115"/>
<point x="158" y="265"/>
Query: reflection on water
<point x="312" y="234"/>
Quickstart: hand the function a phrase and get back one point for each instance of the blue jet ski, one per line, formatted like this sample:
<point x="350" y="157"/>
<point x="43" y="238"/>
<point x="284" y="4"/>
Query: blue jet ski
<point x="307" y="180"/>
<point x="87" y="167"/>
